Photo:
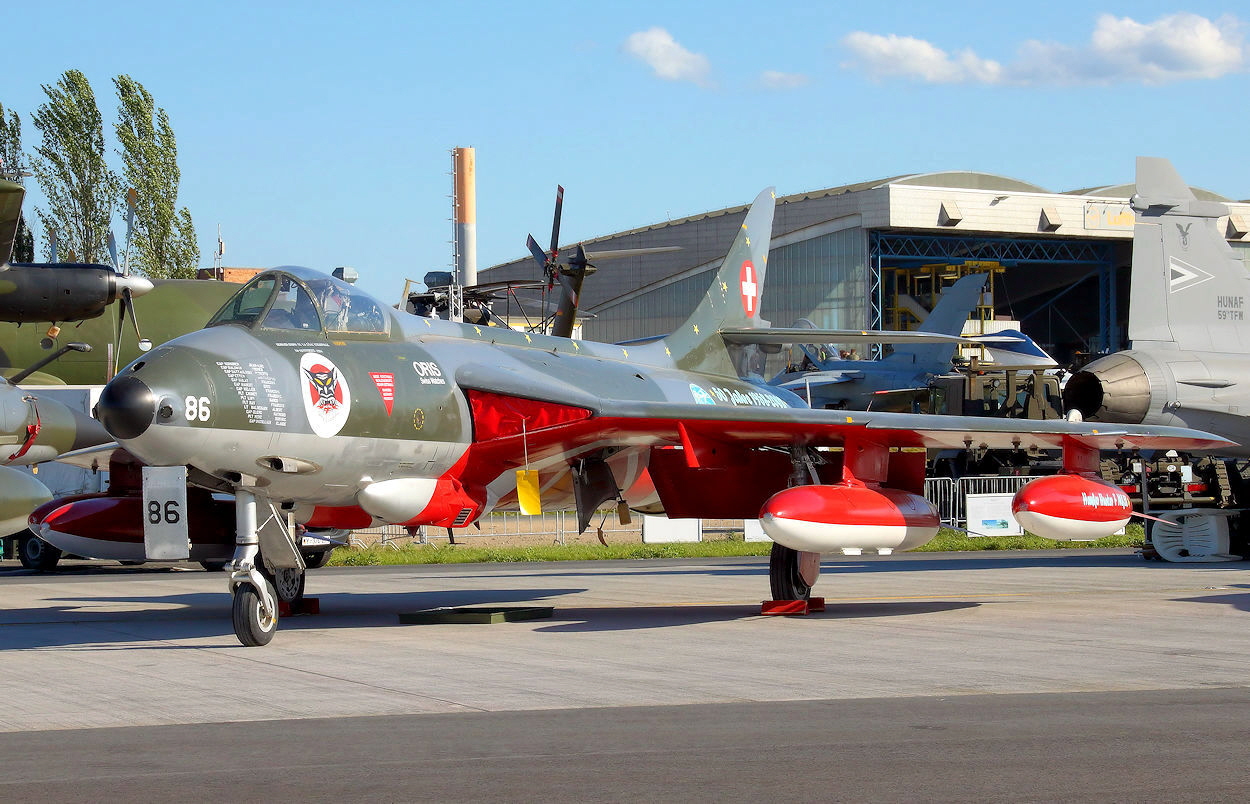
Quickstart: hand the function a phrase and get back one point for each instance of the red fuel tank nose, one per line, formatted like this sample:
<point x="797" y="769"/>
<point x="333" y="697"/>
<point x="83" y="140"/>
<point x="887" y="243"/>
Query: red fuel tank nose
<point x="1071" y="507"/>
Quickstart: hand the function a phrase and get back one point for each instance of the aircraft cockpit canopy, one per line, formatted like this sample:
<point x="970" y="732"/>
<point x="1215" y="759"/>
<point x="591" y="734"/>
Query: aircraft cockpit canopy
<point x="304" y="300"/>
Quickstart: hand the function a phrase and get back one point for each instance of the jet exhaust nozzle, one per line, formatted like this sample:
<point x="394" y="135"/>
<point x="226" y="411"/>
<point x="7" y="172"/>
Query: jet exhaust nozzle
<point x="1111" y="389"/>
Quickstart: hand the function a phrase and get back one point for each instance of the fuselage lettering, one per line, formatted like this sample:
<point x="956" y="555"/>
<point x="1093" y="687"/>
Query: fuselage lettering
<point x="1230" y="308"/>
<point x="429" y="372"/>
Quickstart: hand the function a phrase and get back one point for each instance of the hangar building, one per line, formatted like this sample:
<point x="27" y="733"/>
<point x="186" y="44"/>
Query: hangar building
<point x="874" y="255"/>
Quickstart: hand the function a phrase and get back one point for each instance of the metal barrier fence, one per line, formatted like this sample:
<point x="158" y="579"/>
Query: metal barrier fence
<point x="948" y="493"/>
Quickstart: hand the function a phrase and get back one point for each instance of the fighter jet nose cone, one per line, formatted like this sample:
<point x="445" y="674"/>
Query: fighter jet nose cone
<point x="126" y="407"/>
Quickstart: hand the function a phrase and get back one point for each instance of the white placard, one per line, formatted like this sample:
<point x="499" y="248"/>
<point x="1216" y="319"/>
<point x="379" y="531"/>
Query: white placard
<point x="661" y="529"/>
<point x="990" y="515"/>
<point x="753" y="531"/>
<point x="165" y="534"/>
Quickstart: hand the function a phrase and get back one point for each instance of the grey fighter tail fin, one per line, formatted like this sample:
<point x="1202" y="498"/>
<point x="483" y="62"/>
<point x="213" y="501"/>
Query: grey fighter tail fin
<point x="732" y="299"/>
<point x="1188" y="287"/>
<point x="947" y="317"/>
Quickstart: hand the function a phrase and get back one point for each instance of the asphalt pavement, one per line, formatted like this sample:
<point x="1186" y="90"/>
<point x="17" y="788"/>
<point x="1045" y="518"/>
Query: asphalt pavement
<point x="1074" y="675"/>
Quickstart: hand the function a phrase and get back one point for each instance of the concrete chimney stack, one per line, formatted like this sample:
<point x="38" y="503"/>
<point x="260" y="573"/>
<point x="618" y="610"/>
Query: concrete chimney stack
<point x="464" y="207"/>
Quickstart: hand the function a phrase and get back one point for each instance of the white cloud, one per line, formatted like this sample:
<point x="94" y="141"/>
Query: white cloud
<point x="657" y="49"/>
<point x="906" y="56"/>
<point x="773" y="79"/>
<point x="1176" y="47"/>
<point x="1173" y="48"/>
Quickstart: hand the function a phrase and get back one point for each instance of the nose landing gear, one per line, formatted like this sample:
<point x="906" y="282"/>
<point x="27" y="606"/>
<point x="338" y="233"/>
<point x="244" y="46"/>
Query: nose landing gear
<point x="258" y="582"/>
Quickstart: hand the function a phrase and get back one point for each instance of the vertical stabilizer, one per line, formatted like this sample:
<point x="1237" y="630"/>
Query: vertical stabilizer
<point x="947" y="317"/>
<point x="732" y="299"/>
<point x="1188" y="287"/>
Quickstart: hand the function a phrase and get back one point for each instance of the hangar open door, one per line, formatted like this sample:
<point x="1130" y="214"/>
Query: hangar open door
<point x="1062" y="291"/>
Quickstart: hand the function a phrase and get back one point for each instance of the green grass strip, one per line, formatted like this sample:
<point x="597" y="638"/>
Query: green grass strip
<point x="947" y="541"/>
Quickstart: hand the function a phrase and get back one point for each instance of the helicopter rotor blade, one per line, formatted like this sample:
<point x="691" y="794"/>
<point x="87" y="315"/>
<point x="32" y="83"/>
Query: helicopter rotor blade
<point x="629" y="252"/>
<point x="555" y="223"/>
<point x="540" y="256"/>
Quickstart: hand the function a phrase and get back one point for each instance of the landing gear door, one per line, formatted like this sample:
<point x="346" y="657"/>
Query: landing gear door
<point x="165" y="534"/>
<point x="277" y="540"/>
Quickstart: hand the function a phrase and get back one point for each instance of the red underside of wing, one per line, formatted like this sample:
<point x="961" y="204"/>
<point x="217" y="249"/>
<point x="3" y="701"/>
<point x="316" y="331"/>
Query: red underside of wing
<point x="730" y="477"/>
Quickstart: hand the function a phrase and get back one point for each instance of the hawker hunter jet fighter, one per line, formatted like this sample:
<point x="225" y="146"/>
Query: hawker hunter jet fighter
<point x="315" y="404"/>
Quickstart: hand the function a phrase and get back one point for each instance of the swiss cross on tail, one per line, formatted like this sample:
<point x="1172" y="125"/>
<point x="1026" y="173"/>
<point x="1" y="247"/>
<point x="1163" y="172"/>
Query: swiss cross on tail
<point x="750" y="288"/>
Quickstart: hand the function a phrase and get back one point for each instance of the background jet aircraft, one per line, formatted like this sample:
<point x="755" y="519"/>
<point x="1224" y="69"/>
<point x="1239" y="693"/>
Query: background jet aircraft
<point x="1188" y="363"/>
<point x="33" y="430"/>
<point x="316" y="404"/>
<point x="851" y="384"/>
<point x="1188" y="321"/>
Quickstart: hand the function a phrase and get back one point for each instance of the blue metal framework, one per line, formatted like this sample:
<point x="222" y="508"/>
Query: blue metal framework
<point x="898" y="248"/>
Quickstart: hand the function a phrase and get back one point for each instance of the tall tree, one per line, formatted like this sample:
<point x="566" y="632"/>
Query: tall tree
<point x="11" y="167"/>
<point x="163" y="236"/>
<point x="69" y="164"/>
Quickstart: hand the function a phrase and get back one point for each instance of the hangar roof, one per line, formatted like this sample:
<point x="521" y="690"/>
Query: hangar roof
<point x="1129" y="190"/>
<point x="967" y="180"/>
<point x="905" y="202"/>
<point x="951" y="178"/>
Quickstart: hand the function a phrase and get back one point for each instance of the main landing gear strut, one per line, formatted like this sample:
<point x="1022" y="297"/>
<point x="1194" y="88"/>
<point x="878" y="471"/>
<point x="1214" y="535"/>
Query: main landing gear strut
<point x="792" y="573"/>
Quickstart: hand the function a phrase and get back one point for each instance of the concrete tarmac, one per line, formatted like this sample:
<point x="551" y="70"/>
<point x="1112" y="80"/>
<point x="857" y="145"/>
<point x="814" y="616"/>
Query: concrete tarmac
<point x="1035" y="676"/>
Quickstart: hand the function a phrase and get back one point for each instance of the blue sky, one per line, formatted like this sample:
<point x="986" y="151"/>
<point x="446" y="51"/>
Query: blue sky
<point x="319" y="133"/>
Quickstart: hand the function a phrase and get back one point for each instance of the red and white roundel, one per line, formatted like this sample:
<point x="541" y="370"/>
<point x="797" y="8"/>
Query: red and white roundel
<point x="749" y="288"/>
<point x="327" y="399"/>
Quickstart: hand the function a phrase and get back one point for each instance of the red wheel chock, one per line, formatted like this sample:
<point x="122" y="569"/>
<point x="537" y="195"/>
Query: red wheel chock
<point x="792" y="607"/>
<point x="306" y="605"/>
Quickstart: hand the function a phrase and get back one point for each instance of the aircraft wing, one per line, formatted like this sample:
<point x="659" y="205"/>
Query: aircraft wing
<point x="563" y="417"/>
<point x="1012" y="348"/>
<point x="818" y="378"/>
<point x="766" y="426"/>
<point x="89" y="457"/>
<point x="786" y="335"/>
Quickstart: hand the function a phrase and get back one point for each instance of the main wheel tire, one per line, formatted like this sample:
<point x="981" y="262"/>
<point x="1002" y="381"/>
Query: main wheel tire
<point x="251" y="626"/>
<point x="784" y="575"/>
<point x="36" y="554"/>
<point x="288" y="584"/>
<point x="318" y="559"/>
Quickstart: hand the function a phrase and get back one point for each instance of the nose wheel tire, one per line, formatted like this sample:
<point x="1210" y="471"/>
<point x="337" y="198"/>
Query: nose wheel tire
<point x="792" y="573"/>
<point x="251" y="625"/>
